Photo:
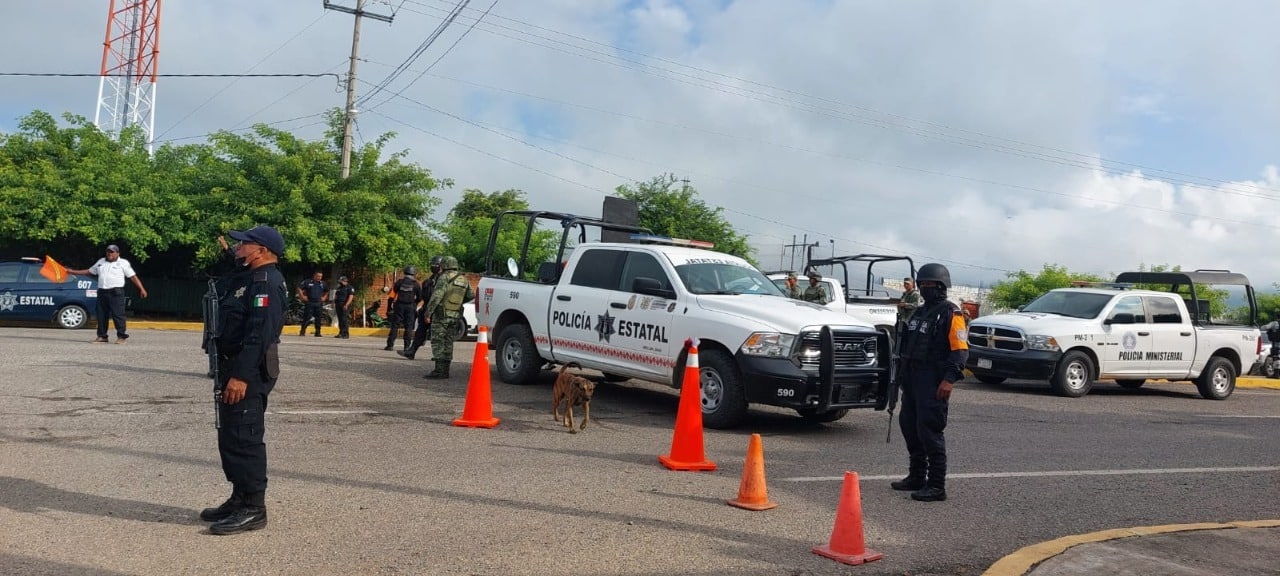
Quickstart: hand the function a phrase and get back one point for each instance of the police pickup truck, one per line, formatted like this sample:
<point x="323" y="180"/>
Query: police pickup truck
<point x="628" y="308"/>
<point x="1073" y="336"/>
<point x="872" y="304"/>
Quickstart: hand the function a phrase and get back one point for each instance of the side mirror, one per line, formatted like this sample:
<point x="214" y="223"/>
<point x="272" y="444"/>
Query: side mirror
<point x="513" y="268"/>
<point x="1021" y="307"/>
<point x="650" y="287"/>
<point x="1121" y="318"/>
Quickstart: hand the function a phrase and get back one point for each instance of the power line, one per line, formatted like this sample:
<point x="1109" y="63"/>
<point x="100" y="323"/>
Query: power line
<point x="286" y="95"/>
<point x="417" y="52"/>
<point x="630" y="179"/>
<point x="208" y="134"/>
<point x="441" y="56"/>
<point x="251" y="69"/>
<point x="853" y="158"/>
<point x="95" y="75"/>
<point x="878" y="119"/>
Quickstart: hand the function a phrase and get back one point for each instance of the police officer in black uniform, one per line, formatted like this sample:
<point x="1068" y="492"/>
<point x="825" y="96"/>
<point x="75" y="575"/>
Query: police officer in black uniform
<point x="342" y="298"/>
<point x="313" y="293"/>
<point x="251" y="316"/>
<point x="408" y="293"/>
<point x="424" y="323"/>
<point x="934" y="348"/>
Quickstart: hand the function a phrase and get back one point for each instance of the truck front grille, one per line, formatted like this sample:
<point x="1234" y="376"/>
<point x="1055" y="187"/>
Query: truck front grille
<point x="852" y="349"/>
<point x="996" y="338"/>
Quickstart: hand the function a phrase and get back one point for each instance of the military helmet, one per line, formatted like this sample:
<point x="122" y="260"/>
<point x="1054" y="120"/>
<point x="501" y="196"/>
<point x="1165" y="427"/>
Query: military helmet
<point x="449" y="263"/>
<point x="436" y="261"/>
<point x="411" y="270"/>
<point x="935" y="272"/>
<point x="813" y="273"/>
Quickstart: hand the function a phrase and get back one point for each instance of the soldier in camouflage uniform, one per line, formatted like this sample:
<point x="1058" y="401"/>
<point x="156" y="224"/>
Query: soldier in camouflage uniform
<point x="813" y="293"/>
<point x="793" y="287"/>
<point x="451" y="290"/>
<point x="910" y="301"/>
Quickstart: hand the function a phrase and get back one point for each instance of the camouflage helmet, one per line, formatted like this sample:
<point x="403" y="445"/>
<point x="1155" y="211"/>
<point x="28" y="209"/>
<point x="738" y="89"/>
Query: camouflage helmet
<point x="935" y="272"/>
<point x="449" y="263"/>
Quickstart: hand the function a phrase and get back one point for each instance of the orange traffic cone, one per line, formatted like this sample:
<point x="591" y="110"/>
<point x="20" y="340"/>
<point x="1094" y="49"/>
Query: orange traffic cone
<point x="847" y="544"/>
<point x="752" y="493"/>
<point x="686" y="445"/>
<point x="477" y="412"/>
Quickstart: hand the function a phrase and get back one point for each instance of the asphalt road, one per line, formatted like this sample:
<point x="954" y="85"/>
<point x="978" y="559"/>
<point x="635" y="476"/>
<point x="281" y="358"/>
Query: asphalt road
<point x="107" y="453"/>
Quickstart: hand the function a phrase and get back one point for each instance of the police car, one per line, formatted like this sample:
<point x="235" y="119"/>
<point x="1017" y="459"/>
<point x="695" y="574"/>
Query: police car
<point x="27" y="295"/>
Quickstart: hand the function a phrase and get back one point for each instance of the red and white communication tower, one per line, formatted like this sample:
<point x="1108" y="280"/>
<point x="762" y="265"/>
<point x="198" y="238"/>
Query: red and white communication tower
<point x="130" y="54"/>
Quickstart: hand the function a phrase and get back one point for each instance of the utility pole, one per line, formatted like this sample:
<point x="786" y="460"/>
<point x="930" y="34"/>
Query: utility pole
<point x="793" y="247"/>
<point x="349" y="113"/>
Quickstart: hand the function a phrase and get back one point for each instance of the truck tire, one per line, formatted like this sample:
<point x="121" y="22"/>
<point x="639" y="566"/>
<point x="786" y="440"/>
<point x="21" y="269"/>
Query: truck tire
<point x="1218" y="380"/>
<point x="724" y="403"/>
<point x="517" y="356"/>
<point x="1074" y="376"/>
<point x="1131" y="384"/>
<point x="811" y="415"/>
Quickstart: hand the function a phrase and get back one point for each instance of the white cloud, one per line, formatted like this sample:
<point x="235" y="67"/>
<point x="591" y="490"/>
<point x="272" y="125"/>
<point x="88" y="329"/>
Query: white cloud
<point x="948" y="131"/>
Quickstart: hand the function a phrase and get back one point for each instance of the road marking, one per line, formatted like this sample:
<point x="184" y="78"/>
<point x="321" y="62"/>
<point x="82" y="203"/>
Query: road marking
<point x="1057" y="473"/>
<point x="323" y="412"/>
<point x="1239" y="416"/>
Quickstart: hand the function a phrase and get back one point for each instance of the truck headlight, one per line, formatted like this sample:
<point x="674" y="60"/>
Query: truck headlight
<point x="1046" y="343"/>
<point x="771" y="344"/>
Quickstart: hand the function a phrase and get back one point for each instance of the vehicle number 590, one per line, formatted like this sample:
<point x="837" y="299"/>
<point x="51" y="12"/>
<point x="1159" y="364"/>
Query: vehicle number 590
<point x="786" y="393"/>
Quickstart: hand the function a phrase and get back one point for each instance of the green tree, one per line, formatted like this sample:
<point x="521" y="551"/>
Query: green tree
<point x="1022" y="287"/>
<point x="78" y="188"/>
<point x="1219" y="298"/>
<point x="378" y="218"/>
<point x="469" y="223"/>
<point x="675" y="210"/>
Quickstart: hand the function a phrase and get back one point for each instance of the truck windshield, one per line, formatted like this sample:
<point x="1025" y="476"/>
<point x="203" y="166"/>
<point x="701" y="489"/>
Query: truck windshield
<point x="1073" y="304"/>
<point x="725" y="279"/>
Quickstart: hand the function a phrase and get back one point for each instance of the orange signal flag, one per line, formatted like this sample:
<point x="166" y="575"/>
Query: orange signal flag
<point x="54" y="271"/>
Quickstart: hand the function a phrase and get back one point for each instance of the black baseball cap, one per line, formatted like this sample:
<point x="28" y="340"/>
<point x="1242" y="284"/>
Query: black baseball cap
<point x="267" y="236"/>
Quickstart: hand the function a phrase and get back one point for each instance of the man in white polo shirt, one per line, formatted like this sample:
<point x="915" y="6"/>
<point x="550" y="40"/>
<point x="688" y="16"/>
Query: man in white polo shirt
<point x="112" y="272"/>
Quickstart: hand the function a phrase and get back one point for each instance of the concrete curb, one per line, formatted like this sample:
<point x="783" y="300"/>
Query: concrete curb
<point x="197" y="327"/>
<point x="1025" y="559"/>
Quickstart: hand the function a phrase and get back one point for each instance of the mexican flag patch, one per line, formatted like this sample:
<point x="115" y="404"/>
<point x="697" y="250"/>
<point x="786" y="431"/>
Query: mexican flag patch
<point x="260" y="301"/>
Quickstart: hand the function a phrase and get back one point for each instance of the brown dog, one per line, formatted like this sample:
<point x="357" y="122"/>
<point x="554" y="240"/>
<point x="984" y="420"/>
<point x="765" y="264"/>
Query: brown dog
<point x="573" y="390"/>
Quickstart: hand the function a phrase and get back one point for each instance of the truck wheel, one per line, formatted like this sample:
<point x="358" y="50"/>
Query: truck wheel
<point x="1074" y="376"/>
<point x="1218" y="379"/>
<point x="724" y="404"/>
<point x="993" y="380"/>
<point x="1131" y="384"/>
<point x="72" y="317"/>
<point x="517" y="356"/>
<point x="811" y="415"/>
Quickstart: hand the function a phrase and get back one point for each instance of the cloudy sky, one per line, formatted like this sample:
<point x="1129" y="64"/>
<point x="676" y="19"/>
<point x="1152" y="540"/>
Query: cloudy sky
<point x="991" y="136"/>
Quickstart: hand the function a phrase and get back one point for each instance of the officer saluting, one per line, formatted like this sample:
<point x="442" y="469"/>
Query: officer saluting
<point x="934" y="348"/>
<point x="251" y="316"/>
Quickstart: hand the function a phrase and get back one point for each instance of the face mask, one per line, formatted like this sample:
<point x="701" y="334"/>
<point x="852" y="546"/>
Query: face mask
<point x="933" y="293"/>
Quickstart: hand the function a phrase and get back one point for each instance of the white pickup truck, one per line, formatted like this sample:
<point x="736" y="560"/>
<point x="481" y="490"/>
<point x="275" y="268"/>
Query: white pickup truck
<point x="627" y="309"/>
<point x="872" y="304"/>
<point x="1073" y="336"/>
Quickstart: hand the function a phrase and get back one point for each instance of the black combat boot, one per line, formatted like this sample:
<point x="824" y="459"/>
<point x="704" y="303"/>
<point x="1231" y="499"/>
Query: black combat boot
<point x="912" y="483"/>
<point x="440" y="373"/>
<point x="930" y="494"/>
<point x="250" y="515"/>
<point x="408" y="353"/>
<point x="223" y="510"/>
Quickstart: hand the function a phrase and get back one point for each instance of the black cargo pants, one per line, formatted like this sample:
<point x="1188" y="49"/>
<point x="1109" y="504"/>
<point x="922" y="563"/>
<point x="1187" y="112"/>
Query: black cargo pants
<point x="923" y="419"/>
